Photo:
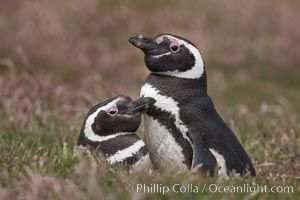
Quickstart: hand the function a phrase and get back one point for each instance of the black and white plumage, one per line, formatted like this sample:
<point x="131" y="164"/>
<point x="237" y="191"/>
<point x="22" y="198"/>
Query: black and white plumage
<point x="110" y="127"/>
<point x="183" y="128"/>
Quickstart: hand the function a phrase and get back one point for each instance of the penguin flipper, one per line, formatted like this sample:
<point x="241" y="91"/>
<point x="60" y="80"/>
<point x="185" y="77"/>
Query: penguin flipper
<point x="202" y="156"/>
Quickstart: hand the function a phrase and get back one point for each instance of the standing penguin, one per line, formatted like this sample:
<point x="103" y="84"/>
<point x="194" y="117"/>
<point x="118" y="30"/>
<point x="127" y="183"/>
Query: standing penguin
<point x="110" y="127"/>
<point x="183" y="128"/>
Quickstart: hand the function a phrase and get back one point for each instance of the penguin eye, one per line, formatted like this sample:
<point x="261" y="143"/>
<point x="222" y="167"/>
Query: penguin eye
<point x="174" y="47"/>
<point x="112" y="111"/>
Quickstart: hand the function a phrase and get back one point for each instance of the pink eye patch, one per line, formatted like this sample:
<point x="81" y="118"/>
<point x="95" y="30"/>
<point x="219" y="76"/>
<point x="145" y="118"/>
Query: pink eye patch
<point x="174" y="45"/>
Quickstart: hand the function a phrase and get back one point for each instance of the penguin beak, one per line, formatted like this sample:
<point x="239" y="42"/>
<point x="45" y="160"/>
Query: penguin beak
<point x="142" y="42"/>
<point x="140" y="105"/>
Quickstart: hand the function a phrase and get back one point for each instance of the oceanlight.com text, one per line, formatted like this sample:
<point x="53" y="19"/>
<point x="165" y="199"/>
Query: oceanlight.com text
<point x="250" y="189"/>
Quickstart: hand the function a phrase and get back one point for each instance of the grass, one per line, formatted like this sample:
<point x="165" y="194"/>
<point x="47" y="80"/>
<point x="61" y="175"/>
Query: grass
<point x="39" y="133"/>
<point x="68" y="57"/>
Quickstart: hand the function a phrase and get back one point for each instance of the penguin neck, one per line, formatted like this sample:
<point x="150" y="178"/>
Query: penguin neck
<point x="96" y="139"/>
<point x="174" y="84"/>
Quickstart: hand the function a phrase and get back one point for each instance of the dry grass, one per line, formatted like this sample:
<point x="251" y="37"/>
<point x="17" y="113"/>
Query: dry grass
<point x="57" y="58"/>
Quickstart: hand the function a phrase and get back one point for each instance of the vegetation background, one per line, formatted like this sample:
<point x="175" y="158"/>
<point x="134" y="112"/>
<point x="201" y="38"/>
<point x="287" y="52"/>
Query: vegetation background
<point x="60" y="57"/>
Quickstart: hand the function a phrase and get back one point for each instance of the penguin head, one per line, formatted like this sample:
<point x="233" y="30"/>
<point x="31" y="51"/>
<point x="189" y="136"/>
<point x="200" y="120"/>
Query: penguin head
<point x="169" y="54"/>
<point x="119" y="114"/>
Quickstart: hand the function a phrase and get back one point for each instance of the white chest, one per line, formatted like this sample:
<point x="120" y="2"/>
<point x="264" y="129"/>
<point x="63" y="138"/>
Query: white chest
<point x="167" y="104"/>
<point x="164" y="152"/>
